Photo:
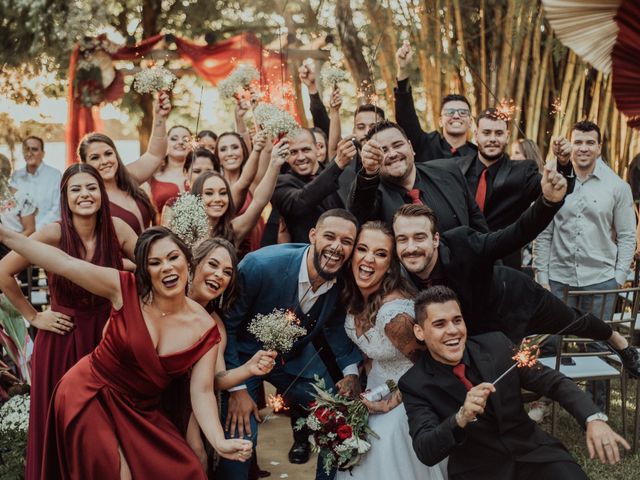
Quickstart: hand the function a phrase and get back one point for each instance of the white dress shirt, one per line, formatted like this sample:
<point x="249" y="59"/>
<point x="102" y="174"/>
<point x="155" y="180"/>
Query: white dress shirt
<point x="43" y="187"/>
<point x="592" y="237"/>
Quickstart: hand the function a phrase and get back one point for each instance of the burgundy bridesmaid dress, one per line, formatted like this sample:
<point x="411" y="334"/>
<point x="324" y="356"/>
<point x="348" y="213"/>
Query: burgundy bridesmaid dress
<point x="110" y="399"/>
<point x="53" y="355"/>
<point x="131" y="218"/>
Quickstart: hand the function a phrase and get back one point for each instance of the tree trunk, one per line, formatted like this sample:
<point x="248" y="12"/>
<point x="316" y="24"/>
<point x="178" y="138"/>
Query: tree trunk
<point x="352" y="46"/>
<point x="507" y="37"/>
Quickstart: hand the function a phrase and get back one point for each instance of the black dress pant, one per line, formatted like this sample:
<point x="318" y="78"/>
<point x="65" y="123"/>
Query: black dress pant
<point x="550" y="471"/>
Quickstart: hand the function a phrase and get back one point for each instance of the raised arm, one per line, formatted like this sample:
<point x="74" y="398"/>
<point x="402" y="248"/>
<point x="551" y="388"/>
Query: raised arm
<point x="243" y="224"/>
<point x="317" y="108"/>
<point x="101" y="281"/>
<point x="239" y="189"/>
<point x="335" y="127"/>
<point x="364" y="201"/>
<point x="530" y="224"/>
<point x="127" y="238"/>
<point x="144" y="168"/>
<point x="406" y="115"/>
<point x="400" y="331"/>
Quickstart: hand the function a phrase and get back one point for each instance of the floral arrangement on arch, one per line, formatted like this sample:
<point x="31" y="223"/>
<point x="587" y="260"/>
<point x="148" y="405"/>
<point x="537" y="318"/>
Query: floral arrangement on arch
<point x="94" y="70"/>
<point x="339" y="427"/>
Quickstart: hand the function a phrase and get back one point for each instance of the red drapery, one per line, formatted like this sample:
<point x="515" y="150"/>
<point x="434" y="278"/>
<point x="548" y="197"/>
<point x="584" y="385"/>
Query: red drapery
<point x="625" y="55"/>
<point x="211" y="62"/>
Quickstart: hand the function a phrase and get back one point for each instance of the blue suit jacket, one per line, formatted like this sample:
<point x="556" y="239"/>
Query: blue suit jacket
<point x="268" y="279"/>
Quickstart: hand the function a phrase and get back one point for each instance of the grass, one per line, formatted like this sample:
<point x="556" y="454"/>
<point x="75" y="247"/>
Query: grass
<point x="568" y="430"/>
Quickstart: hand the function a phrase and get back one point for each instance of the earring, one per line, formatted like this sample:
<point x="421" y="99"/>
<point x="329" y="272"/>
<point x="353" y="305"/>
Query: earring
<point x="221" y="300"/>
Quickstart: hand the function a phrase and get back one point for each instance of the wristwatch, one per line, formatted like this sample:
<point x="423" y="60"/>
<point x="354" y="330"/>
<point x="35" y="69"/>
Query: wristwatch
<point x="597" y="416"/>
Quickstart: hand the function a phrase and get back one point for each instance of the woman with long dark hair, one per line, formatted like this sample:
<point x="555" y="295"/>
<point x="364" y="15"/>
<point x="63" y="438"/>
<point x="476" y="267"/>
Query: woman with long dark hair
<point x="380" y="314"/>
<point x="105" y="420"/>
<point x="73" y="326"/>
<point x="127" y="200"/>
<point x="216" y="193"/>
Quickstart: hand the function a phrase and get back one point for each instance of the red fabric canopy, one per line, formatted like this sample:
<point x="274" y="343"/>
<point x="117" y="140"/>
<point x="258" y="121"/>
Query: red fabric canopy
<point x="625" y="56"/>
<point x="211" y="62"/>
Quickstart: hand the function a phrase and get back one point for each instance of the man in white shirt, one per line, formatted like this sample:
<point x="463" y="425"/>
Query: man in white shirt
<point x="590" y="243"/>
<point x="40" y="181"/>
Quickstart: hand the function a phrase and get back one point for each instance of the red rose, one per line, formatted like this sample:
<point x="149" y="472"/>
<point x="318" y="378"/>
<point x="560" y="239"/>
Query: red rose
<point x="323" y="415"/>
<point x="344" y="432"/>
<point x="313" y="404"/>
<point x="341" y="421"/>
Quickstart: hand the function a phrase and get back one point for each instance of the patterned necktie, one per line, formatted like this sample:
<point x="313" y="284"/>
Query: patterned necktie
<point x="458" y="371"/>
<point x="481" y="192"/>
<point x="414" y="194"/>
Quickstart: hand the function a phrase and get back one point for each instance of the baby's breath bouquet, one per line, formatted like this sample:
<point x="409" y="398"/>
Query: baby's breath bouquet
<point x="276" y="122"/>
<point x="189" y="221"/>
<point x="154" y="79"/>
<point x="331" y="76"/>
<point x="277" y="330"/>
<point x="7" y="199"/>
<point x="237" y="81"/>
<point x="14" y="421"/>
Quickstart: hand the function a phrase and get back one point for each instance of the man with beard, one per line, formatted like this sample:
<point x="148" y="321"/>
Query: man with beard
<point x="309" y="189"/>
<point x="390" y="178"/>
<point x="497" y="298"/>
<point x="455" y="118"/>
<point x="303" y="279"/>
<point x="503" y="188"/>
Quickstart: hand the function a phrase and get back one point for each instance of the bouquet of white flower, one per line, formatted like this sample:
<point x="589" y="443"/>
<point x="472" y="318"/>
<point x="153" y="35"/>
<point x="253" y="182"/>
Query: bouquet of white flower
<point x="277" y="330"/>
<point x="189" y="219"/>
<point x="237" y="81"/>
<point x="276" y="122"/>
<point x="331" y="76"/>
<point x="154" y="79"/>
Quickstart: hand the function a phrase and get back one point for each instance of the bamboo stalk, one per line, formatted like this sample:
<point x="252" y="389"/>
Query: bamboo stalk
<point x="568" y="80"/>
<point x="595" y="98"/>
<point x="541" y="96"/>
<point x="483" y="58"/>
<point x="522" y="73"/>
<point x="507" y="42"/>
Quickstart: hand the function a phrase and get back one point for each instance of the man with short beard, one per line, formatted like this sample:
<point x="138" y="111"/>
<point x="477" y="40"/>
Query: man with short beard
<point x="390" y="178"/>
<point x="497" y="298"/>
<point x="302" y="278"/>
<point x="503" y="188"/>
<point x="455" y="118"/>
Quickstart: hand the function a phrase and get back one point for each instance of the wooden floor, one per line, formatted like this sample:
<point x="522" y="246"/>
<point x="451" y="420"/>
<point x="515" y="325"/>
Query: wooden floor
<point x="274" y="441"/>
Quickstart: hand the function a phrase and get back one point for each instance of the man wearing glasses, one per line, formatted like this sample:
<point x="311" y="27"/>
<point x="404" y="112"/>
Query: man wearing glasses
<point x="40" y="181"/>
<point x="455" y="118"/>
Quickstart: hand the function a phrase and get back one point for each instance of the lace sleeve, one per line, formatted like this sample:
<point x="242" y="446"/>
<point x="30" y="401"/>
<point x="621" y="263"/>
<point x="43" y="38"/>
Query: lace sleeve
<point x="390" y="310"/>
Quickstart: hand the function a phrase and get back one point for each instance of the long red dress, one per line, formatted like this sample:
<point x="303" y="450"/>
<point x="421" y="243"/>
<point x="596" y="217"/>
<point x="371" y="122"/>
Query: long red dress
<point x="110" y="399"/>
<point x="53" y="355"/>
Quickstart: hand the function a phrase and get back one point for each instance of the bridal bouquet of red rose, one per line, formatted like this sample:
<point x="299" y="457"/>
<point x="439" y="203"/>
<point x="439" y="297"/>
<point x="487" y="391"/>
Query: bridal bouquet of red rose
<point x="339" y="427"/>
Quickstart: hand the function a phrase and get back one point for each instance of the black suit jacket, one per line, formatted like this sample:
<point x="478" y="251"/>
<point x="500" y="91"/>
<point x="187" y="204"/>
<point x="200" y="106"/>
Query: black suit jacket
<point x="373" y="198"/>
<point x="492" y="297"/>
<point x="515" y="186"/>
<point x="489" y="448"/>
<point x="300" y="201"/>
<point x="427" y="145"/>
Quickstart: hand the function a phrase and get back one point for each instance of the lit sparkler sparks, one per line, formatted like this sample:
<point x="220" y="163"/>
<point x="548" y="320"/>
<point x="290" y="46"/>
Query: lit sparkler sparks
<point x="506" y="109"/>
<point x="277" y="403"/>
<point x="525" y="357"/>
<point x="556" y="106"/>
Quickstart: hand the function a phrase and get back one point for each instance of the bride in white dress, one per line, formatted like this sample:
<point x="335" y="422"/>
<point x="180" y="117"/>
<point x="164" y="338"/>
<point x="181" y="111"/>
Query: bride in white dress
<point x="380" y="322"/>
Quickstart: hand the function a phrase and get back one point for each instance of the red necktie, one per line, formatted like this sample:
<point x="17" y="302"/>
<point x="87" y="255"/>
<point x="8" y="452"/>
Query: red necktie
<point x="458" y="371"/>
<point x="481" y="192"/>
<point x="414" y="193"/>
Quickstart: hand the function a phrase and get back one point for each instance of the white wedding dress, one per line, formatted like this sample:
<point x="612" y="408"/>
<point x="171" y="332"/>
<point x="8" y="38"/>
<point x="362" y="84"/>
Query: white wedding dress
<point x="391" y="456"/>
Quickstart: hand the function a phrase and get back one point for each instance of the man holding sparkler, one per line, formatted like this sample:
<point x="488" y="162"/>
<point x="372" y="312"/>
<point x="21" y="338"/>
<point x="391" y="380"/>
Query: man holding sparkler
<point x="301" y="279"/>
<point x="455" y="117"/>
<point x="498" y="298"/>
<point x="457" y="408"/>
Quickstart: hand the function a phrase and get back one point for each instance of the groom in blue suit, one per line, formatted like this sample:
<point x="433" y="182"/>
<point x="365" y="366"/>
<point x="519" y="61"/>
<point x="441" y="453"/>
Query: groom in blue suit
<point x="303" y="278"/>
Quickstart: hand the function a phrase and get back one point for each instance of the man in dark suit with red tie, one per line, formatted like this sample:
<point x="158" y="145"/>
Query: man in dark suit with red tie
<point x="455" y="410"/>
<point x="390" y="178"/>
<point x="503" y="188"/>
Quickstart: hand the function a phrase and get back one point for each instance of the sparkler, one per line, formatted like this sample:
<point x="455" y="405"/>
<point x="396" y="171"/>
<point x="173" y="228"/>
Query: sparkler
<point x="556" y="106"/>
<point x="527" y="355"/>
<point x="506" y="108"/>
<point x="277" y="403"/>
